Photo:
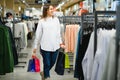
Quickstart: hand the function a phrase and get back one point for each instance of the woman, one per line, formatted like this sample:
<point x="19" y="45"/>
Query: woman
<point x="48" y="36"/>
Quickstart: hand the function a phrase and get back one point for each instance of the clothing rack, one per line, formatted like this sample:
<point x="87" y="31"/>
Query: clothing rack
<point x="17" y="42"/>
<point x="96" y="13"/>
<point x="86" y="19"/>
<point x="70" y="20"/>
<point x="87" y="23"/>
<point x="117" y="41"/>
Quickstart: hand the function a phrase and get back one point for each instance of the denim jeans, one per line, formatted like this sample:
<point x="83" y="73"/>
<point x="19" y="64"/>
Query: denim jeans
<point x="49" y="59"/>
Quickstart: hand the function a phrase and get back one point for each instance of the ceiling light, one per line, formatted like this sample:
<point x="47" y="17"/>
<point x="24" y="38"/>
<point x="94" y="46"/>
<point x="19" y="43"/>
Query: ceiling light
<point x="33" y="8"/>
<point x="23" y="1"/>
<point x="19" y="8"/>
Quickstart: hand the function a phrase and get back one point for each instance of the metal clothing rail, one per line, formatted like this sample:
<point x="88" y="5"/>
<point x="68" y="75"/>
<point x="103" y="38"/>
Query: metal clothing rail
<point x="18" y="46"/>
<point x="70" y="19"/>
<point x="96" y="13"/>
<point x="86" y="19"/>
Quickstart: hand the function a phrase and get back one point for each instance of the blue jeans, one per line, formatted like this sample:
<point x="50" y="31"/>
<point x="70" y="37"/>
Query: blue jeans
<point x="49" y="59"/>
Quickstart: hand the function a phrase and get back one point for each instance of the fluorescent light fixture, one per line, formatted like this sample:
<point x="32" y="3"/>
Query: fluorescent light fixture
<point x="19" y="8"/>
<point x="23" y="1"/>
<point x="33" y="8"/>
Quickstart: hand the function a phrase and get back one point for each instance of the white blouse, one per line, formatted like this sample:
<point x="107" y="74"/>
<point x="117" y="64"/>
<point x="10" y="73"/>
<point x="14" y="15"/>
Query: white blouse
<point x="48" y="34"/>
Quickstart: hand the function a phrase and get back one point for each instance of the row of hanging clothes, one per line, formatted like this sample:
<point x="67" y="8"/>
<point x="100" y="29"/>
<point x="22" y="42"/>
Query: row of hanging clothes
<point x="94" y="50"/>
<point x="19" y="29"/>
<point x="76" y="38"/>
<point x="13" y="38"/>
<point x="70" y="26"/>
<point x="94" y="45"/>
<point x="82" y="43"/>
<point x="8" y="51"/>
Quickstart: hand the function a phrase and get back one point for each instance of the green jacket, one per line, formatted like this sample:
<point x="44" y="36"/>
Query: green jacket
<point x="6" y="54"/>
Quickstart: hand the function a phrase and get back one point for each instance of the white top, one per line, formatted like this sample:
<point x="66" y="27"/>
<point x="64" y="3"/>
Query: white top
<point x="48" y="34"/>
<point x="101" y="54"/>
<point x="87" y="62"/>
<point x="93" y="66"/>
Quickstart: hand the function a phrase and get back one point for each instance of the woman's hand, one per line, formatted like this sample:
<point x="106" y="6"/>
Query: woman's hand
<point x="34" y="52"/>
<point x="62" y="46"/>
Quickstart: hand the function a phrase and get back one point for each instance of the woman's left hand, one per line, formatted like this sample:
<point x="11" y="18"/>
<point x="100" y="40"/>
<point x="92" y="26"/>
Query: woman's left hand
<point x="62" y="46"/>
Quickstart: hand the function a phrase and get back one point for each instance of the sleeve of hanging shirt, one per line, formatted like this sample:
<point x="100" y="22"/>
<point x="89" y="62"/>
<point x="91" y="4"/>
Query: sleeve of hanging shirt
<point x="38" y="34"/>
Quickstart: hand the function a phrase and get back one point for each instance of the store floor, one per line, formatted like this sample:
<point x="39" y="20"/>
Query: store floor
<point x="20" y="72"/>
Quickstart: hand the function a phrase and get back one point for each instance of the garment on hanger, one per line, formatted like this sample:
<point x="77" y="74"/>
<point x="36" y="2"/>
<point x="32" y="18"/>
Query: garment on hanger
<point x="70" y="37"/>
<point x="6" y="51"/>
<point x="81" y="48"/>
<point x="10" y="24"/>
<point x="110" y="63"/>
<point x="14" y="49"/>
<point x="93" y="65"/>
<point x="114" y="5"/>
<point x="21" y="32"/>
<point x="30" y="26"/>
<point x="88" y="59"/>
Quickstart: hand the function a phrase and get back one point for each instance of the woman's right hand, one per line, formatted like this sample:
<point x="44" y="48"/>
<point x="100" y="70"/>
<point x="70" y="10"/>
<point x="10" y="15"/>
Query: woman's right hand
<point x="62" y="46"/>
<point x="34" y="52"/>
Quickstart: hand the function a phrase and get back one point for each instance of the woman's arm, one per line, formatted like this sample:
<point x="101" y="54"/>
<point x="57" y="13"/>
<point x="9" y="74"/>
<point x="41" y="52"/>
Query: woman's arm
<point x="38" y="36"/>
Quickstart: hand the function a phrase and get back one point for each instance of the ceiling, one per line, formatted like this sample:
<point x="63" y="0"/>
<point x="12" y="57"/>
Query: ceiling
<point x="32" y="3"/>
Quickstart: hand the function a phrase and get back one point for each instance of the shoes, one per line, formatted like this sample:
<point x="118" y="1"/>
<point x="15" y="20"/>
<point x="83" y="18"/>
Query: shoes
<point x="42" y="75"/>
<point x="47" y="79"/>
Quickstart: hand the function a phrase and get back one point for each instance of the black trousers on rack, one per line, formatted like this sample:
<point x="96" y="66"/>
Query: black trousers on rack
<point x="82" y="47"/>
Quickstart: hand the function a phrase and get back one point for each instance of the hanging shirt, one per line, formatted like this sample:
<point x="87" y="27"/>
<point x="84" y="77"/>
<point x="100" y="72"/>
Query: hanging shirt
<point x="48" y="34"/>
<point x="101" y="54"/>
<point x="93" y="66"/>
<point x="21" y="32"/>
<point x="114" y="5"/>
<point x="110" y="66"/>
<point x="30" y="26"/>
<point x="10" y="24"/>
<point x="87" y="62"/>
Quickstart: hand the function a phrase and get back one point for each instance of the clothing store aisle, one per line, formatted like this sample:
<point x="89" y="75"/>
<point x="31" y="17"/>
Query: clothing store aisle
<point x="20" y="73"/>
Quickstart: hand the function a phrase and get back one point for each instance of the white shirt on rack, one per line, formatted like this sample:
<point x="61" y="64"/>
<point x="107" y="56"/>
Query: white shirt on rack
<point x="101" y="54"/>
<point x="48" y="34"/>
<point x="93" y="66"/>
<point x="87" y="62"/>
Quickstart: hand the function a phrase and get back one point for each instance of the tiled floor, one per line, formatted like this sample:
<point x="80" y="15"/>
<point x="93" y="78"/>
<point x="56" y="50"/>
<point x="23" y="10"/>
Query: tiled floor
<point x="21" y="73"/>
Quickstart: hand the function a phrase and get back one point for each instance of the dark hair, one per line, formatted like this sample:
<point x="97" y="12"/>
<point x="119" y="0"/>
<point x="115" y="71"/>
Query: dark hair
<point x="8" y="14"/>
<point x="45" y="9"/>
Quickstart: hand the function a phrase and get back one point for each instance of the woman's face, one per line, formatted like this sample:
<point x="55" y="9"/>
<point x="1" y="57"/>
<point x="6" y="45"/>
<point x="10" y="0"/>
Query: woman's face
<point x="50" y="11"/>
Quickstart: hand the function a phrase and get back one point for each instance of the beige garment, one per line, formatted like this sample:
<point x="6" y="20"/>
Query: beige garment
<point x="70" y="37"/>
<point x="67" y="38"/>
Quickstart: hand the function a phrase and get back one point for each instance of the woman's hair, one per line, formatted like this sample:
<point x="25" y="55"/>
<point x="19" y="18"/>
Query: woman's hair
<point x="45" y="9"/>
